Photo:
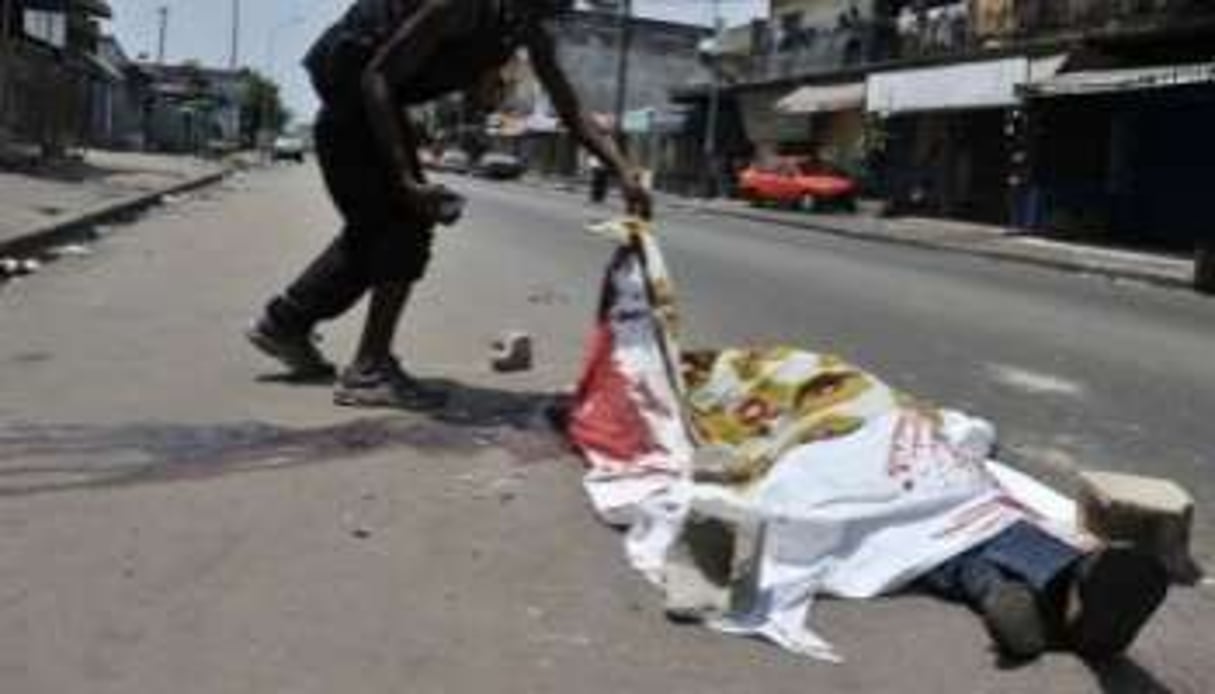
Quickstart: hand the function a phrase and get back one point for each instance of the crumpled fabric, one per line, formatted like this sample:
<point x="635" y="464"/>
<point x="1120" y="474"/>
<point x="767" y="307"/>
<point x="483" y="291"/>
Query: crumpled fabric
<point x="860" y="489"/>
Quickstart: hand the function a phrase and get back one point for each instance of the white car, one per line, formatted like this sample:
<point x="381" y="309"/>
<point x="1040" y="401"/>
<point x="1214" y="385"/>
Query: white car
<point x="287" y="147"/>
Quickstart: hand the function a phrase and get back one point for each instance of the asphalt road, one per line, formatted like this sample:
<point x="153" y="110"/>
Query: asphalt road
<point x="173" y="518"/>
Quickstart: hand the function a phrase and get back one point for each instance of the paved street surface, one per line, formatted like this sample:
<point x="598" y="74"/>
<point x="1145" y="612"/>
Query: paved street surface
<point x="174" y="519"/>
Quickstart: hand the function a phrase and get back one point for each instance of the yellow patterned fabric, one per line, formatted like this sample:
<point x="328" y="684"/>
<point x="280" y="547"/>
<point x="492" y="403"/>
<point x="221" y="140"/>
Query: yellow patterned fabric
<point x="759" y="403"/>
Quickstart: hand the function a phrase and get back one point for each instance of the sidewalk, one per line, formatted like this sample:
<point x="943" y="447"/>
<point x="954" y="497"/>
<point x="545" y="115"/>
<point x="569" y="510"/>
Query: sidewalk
<point x="981" y="240"/>
<point x="36" y="208"/>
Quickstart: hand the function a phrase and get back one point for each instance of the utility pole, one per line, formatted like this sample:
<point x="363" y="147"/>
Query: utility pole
<point x="234" y="48"/>
<point x="163" y="14"/>
<point x="6" y="26"/>
<point x="625" y="34"/>
<point x="712" y="170"/>
<point x="6" y="38"/>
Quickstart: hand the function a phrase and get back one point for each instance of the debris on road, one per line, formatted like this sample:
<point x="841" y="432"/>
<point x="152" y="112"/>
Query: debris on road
<point x="547" y="297"/>
<point x="512" y="352"/>
<point x="18" y="267"/>
<point x="70" y="250"/>
<point x="709" y="566"/>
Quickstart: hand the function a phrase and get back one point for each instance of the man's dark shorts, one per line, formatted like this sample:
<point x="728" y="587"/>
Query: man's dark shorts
<point x="382" y="236"/>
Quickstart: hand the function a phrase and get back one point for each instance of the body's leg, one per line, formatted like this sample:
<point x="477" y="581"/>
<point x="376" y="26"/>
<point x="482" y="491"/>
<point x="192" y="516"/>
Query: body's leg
<point x="1094" y="603"/>
<point x="993" y="580"/>
<point x="1097" y="602"/>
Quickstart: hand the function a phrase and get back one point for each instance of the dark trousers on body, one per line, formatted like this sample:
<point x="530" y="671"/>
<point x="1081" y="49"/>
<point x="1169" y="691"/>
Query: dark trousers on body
<point x="1023" y="552"/>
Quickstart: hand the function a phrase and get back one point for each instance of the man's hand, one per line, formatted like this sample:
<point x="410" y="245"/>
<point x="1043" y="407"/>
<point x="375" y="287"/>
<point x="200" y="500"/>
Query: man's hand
<point x="543" y="54"/>
<point x="435" y="202"/>
<point x="637" y="199"/>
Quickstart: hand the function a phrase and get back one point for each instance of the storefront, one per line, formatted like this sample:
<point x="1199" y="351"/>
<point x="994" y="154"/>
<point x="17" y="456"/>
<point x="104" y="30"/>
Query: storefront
<point x="948" y="149"/>
<point x="771" y="131"/>
<point x="834" y="115"/>
<point x="1128" y="154"/>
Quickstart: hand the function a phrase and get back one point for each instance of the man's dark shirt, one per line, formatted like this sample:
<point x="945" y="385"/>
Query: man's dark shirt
<point x="492" y="31"/>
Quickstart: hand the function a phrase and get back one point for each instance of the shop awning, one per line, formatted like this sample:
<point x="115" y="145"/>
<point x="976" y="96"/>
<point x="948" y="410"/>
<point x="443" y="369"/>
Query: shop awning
<point x="822" y="98"/>
<point x="1127" y="80"/>
<point x="103" y="68"/>
<point x="985" y="84"/>
<point x="99" y="8"/>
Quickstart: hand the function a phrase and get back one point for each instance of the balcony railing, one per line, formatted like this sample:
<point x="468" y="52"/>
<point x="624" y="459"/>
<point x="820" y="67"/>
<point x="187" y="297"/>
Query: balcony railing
<point x="811" y="50"/>
<point x="949" y="28"/>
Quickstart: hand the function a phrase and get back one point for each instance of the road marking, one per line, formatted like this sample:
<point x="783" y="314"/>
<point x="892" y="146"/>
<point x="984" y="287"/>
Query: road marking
<point x="1034" y="381"/>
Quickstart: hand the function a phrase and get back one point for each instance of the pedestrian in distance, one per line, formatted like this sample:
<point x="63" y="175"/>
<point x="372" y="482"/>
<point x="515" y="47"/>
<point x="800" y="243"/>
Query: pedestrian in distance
<point x="380" y="57"/>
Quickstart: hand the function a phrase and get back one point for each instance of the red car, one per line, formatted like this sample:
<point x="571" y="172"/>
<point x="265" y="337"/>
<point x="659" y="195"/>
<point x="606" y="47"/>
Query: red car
<point x="798" y="183"/>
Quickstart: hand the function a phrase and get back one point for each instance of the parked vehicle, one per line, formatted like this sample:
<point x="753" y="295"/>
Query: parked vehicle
<point x="500" y="166"/>
<point x="800" y="183"/>
<point x="290" y="148"/>
<point x="455" y="161"/>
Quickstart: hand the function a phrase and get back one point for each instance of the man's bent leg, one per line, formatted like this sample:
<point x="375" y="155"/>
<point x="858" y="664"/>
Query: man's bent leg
<point x="329" y="287"/>
<point x="376" y="379"/>
<point x="383" y="314"/>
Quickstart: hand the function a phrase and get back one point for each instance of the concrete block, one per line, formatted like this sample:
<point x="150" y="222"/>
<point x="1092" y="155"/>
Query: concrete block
<point x="1153" y="514"/>
<point x="713" y="568"/>
<point x="1204" y="268"/>
<point x="512" y="352"/>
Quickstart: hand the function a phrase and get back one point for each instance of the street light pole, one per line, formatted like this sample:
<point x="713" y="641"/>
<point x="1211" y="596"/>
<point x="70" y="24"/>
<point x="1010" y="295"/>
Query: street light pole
<point x="6" y="37"/>
<point x="267" y="129"/>
<point x="234" y="48"/>
<point x="162" y="35"/>
<point x="710" y="144"/>
<point x="7" y="26"/>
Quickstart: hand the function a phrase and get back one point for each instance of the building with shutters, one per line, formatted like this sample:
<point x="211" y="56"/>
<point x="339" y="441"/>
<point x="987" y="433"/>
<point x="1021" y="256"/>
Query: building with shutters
<point x="48" y="63"/>
<point x="1061" y="116"/>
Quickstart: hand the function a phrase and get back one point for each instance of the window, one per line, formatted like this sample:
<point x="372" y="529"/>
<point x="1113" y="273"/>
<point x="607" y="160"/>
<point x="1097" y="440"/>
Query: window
<point x="47" y="27"/>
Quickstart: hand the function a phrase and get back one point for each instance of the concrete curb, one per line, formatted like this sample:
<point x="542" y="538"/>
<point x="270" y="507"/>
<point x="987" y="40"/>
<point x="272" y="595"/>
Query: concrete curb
<point x="1000" y="249"/>
<point x="40" y="238"/>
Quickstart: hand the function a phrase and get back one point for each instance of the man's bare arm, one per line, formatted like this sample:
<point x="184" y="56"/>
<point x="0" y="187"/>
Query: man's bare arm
<point x="565" y="100"/>
<point x="406" y="51"/>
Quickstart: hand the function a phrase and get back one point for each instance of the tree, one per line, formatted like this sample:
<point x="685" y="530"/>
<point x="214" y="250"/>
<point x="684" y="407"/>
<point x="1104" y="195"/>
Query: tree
<point x="263" y="108"/>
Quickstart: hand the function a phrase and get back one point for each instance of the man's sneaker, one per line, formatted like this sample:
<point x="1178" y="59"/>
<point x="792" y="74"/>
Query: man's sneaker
<point x="386" y="385"/>
<point x="1113" y="594"/>
<point x="296" y="352"/>
<point x="1012" y="617"/>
